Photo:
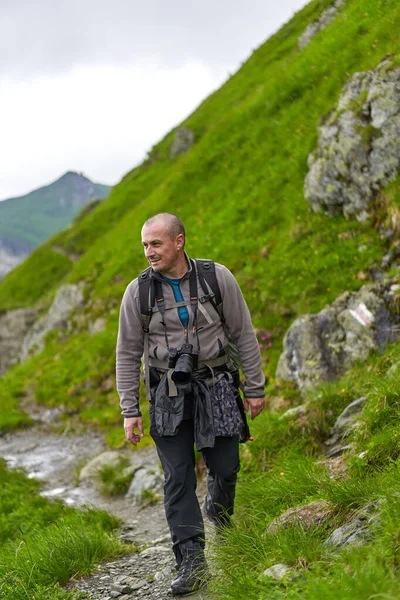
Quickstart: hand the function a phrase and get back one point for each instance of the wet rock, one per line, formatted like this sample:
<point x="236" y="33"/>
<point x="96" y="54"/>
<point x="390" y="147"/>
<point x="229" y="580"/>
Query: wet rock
<point x="14" y="325"/>
<point x="67" y="299"/>
<point x="322" y="346"/>
<point x="278" y="571"/>
<point x="311" y="514"/>
<point x="359" y="145"/>
<point x="359" y="529"/>
<point x="184" y="138"/>
<point x="144" y="480"/>
<point x="326" y="17"/>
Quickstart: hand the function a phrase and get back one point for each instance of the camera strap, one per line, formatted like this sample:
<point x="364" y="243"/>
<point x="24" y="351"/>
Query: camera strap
<point x="161" y="306"/>
<point x="194" y="300"/>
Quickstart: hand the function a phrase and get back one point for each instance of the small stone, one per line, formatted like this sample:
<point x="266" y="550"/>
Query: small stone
<point x="278" y="571"/>
<point x="115" y="594"/>
<point x="154" y="550"/>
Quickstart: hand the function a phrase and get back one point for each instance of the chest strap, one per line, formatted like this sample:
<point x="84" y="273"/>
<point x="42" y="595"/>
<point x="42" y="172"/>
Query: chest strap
<point x="213" y="362"/>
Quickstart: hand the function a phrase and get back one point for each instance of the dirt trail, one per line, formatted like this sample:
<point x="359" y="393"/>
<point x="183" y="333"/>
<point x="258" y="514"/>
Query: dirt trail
<point x="54" y="459"/>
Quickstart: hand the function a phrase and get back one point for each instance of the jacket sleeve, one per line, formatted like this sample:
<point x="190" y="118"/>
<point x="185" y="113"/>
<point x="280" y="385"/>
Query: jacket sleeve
<point x="239" y="326"/>
<point x="130" y="345"/>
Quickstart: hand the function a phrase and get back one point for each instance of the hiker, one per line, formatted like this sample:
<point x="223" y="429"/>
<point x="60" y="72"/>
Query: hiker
<point x="189" y="319"/>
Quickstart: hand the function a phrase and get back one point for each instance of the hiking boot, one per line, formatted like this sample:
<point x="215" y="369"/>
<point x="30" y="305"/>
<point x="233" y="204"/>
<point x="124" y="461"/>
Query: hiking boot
<point x="192" y="573"/>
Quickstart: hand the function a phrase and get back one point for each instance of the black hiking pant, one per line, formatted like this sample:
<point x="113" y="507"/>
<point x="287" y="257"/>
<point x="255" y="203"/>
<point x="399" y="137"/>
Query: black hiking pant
<point x="177" y="458"/>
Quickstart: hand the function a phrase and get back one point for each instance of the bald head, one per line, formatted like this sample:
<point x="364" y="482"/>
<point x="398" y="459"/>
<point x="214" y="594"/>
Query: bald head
<point x="163" y="239"/>
<point x="172" y="224"/>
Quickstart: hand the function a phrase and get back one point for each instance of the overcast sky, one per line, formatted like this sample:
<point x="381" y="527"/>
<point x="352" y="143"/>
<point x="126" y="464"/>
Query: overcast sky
<point x="91" y="85"/>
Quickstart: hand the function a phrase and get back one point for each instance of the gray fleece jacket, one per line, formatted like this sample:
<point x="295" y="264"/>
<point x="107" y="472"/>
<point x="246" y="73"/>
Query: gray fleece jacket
<point x="211" y="333"/>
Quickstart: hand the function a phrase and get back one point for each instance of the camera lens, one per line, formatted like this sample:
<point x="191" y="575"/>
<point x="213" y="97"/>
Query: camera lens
<point x="183" y="369"/>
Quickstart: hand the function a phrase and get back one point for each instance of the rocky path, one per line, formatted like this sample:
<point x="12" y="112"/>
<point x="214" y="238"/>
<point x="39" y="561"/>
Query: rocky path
<point x="54" y="459"/>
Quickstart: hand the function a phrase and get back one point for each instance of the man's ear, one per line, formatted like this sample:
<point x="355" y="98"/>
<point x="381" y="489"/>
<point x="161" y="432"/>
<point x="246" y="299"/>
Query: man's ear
<point x="180" y="241"/>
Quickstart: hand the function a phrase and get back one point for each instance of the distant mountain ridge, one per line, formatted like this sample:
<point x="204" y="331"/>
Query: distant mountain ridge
<point x="27" y="221"/>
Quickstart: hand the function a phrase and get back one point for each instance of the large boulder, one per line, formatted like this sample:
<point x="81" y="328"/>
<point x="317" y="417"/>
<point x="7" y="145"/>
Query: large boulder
<point x="14" y="326"/>
<point x="67" y="299"/>
<point x="322" y="346"/>
<point x="328" y="15"/>
<point x="359" y="145"/>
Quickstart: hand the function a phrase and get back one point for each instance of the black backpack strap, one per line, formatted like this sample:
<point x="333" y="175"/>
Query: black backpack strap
<point x="208" y="281"/>
<point x="146" y="298"/>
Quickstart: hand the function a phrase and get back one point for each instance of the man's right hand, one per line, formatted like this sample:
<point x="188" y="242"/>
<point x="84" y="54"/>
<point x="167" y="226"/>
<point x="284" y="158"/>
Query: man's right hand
<point x="130" y="424"/>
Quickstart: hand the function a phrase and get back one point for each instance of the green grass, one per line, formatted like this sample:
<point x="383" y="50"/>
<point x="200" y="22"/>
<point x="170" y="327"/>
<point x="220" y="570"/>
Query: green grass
<point x="43" y="544"/>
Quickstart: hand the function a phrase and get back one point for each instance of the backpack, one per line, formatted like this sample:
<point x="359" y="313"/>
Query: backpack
<point x="208" y="280"/>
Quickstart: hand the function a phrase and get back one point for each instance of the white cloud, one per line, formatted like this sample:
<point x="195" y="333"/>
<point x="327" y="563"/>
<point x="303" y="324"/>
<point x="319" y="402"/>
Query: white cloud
<point x="99" y="120"/>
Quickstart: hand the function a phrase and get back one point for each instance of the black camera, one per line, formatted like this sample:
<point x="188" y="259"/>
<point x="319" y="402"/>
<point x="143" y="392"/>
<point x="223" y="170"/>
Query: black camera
<point x="183" y="361"/>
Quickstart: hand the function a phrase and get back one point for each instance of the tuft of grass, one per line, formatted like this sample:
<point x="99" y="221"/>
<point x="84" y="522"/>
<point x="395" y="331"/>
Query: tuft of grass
<point x="115" y="480"/>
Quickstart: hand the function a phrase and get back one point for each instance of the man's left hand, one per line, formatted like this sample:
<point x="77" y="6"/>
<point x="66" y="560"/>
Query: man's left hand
<point x="256" y="405"/>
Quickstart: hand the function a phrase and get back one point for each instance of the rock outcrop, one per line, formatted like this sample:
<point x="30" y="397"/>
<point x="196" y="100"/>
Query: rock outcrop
<point x="184" y="138"/>
<point x="359" y="529"/>
<point x="315" y="27"/>
<point x="67" y="299"/>
<point x="14" y="326"/>
<point x="322" y="346"/>
<point x="359" y="145"/>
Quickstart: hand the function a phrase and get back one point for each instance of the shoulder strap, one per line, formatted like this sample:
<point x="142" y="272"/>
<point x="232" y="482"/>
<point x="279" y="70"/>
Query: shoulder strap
<point x="146" y="298"/>
<point x="209" y="283"/>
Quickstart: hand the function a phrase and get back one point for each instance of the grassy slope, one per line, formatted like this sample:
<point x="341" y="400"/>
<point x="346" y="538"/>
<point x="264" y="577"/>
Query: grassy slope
<point x="240" y="193"/>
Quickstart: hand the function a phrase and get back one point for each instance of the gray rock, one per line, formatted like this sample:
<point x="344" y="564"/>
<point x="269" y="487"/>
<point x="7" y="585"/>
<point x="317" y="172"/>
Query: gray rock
<point x="14" y="325"/>
<point x="184" y="138"/>
<point x="296" y="411"/>
<point x="308" y="515"/>
<point x="144" y="479"/>
<point x="9" y="258"/>
<point x="322" y="346"/>
<point x="67" y="299"/>
<point x="359" y="145"/>
<point x="348" y="415"/>
<point x="358" y="530"/>
<point x="344" y="424"/>
<point x="98" y="326"/>
<point x="278" y="571"/>
<point x="110" y="458"/>
<point x="326" y="17"/>
<point x="121" y="588"/>
<point x="155" y="550"/>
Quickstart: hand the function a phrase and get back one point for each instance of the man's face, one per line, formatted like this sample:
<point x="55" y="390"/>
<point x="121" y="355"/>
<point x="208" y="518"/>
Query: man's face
<point x="161" y="250"/>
